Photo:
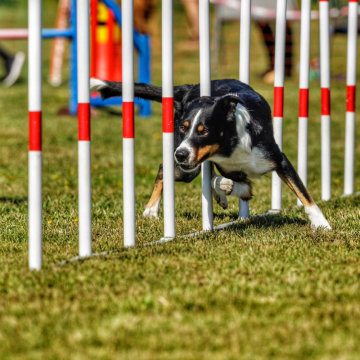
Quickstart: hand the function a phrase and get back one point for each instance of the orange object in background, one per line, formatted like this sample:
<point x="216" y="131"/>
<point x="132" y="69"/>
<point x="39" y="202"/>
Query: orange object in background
<point x="106" y="62"/>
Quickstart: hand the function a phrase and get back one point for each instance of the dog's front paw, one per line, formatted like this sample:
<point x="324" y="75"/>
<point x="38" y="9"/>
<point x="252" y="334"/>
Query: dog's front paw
<point x="222" y="185"/>
<point x="152" y="211"/>
<point x="220" y="199"/>
<point x="317" y="218"/>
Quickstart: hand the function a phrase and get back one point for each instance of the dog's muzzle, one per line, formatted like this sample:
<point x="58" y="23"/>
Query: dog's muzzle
<point x="182" y="156"/>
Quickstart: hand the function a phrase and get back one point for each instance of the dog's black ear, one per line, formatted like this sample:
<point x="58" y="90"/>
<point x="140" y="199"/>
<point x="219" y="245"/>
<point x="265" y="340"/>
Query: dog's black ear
<point x="229" y="103"/>
<point x="181" y="93"/>
<point x="178" y="105"/>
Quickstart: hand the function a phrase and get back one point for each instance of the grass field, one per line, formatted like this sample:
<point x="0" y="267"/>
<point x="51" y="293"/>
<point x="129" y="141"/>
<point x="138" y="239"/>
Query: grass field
<point x="270" y="289"/>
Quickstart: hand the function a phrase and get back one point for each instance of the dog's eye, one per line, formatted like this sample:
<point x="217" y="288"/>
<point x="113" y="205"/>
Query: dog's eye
<point x="182" y="129"/>
<point x="205" y="132"/>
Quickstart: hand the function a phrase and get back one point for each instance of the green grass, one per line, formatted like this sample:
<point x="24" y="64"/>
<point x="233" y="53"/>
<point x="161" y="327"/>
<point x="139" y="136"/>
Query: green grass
<point x="270" y="289"/>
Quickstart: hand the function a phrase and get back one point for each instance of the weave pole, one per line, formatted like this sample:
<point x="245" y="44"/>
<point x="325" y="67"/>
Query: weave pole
<point x="304" y="91"/>
<point x="279" y="95"/>
<point x="127" y="7"/>
<point x="244" y="70"/>
<point x="325" y="100"/>
<point x="35" y="153"/>
<point x="350" y="98"/>
<point x="84" y="145"/>
<point x="168" y="118"/>
<point x="205" y="90"/>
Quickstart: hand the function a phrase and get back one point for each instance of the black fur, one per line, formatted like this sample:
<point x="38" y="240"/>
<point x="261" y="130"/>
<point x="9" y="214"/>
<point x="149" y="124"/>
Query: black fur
<point x="218" y="131"/>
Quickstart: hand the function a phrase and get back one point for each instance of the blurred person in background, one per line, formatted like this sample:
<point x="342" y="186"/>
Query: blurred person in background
<point x="269" y="40"/>
<point x="192" y="14"/>
<point x="143" y="14"/>
<point x="268" y="36"/>
<point x="13" y="65"/>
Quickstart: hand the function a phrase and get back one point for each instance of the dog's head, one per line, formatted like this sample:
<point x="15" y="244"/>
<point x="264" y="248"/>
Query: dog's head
<point x="206" y="128"/>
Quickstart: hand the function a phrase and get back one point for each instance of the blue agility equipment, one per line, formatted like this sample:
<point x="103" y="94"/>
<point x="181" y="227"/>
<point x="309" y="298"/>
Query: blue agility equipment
<point x="142" y="45"/>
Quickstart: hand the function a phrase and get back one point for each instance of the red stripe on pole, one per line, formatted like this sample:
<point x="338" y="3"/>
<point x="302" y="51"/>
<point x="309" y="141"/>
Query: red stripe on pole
<point x="324" y="0"/>
<point x="278" y="101"/>
<point x="304" y="103"/>
<point x="355" y="1"/>
<point x="350" y="98"/>
<point x="84" y="121"/>
<point x="35" y="130"/>
<point x="168" y="115"/>
<point x="128" y="120"/>
<point x="325" y="101"/>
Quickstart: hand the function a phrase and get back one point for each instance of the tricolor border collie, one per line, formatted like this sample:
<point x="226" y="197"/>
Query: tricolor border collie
<point x="233" y="129"/>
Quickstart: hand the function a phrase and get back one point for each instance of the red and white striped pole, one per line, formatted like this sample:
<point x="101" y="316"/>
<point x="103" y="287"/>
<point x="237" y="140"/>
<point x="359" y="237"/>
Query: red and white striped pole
<point x="127" y="7"/>
<point x="350" y="99"/>
<point x="84" y="145"/>
<point x="244" y="70"/>
<point x="325" y="100"/>
<point x="205" y="90"/>
<point x="304" y="90"/>
<point x="276" y="202"/>
<point x="35" y="154"/>
<point x="168" y="118"/>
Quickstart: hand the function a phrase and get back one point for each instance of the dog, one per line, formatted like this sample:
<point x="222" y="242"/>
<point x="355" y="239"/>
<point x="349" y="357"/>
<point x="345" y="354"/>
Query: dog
<point x="232" y="129"/>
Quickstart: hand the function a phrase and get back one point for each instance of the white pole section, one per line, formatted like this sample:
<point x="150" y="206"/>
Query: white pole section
<point x="168" y="118"/>
<point x="325" y="100"/>
<point x="128" y="121"/>
<point x="244" y="70"/>
<point x="350" y="99"/>
<point x="304" y="90"/>
<point x="205" y="90"/>
<point x="279" y="94"/>
<point x="35" y="154"/>
<point x="84" y="149"/>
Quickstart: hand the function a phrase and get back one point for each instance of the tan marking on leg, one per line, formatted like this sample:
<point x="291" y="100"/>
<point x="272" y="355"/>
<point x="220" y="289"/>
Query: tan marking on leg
<point x="272" y="164"/>
<point x="297" y="191"/>
<point x="204" y="151"/>
<point x="156" y="194"/>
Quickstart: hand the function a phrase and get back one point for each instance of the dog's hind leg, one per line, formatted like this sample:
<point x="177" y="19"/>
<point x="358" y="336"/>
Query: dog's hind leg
<point x="289" y="176"/>
<point x="152" y="208"/>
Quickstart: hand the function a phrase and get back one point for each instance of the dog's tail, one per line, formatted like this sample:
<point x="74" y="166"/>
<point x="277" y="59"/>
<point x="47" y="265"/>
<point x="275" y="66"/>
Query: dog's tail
<point x="109" y="89"/>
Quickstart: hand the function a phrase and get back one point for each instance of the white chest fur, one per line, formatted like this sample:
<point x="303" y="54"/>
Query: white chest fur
<point x="250" y="161"/>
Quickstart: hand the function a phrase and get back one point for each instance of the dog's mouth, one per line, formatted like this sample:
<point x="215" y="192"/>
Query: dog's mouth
<point x="189" y="168"/>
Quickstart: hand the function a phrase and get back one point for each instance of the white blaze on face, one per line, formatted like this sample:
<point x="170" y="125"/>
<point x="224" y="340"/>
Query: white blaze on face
<point x="195" y="122"/>
<point x="186" y="143"/>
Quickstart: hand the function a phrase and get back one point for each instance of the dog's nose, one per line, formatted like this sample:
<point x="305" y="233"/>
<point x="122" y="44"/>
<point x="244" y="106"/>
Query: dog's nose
<point x="181" y="155"/>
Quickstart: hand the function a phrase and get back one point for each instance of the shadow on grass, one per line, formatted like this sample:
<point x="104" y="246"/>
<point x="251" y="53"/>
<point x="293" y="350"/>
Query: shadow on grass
<point x="193" y="215"/>
<point x="275" y="220"/>
<point x="271" y="221"/>
<point x="15" y="201"/>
